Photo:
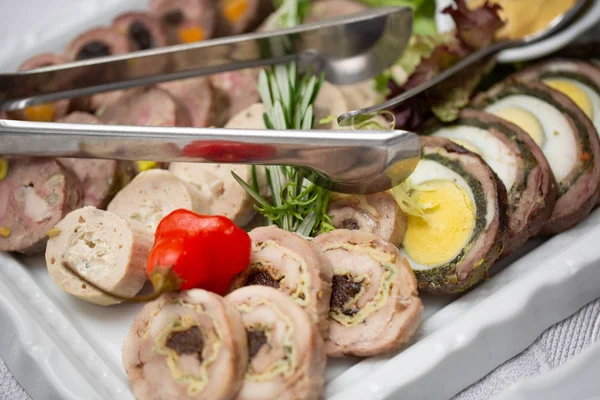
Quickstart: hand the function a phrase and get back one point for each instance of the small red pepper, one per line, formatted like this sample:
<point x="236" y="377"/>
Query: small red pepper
<point x="227" y="151"/>
<point x="197" y="251"/>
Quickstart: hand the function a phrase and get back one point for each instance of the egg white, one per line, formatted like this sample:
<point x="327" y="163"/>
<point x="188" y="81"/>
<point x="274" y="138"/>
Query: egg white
<point x="560" y="147"/>
<point x="494" y="152"/>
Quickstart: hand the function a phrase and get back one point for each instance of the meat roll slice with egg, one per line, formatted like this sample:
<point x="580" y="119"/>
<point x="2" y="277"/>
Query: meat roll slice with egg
<point x="292" y="264"/>
<point x="105" y="249"/>
<point x="43" y="112"/>
<point x="375" y="213"/>
<point x="185" y="21"/>
<point x="566" y="136"/>
<point x="374" y="304"/>
<point x="189" y="345"/>
<point x="518" y="162"/>
<point x="35" y="194"/>
<point x="153" y="194"/>
<point x="241" y="16"/>
<point x="285" y="349"/>
<point x="101" y="179"/>
<point x="462" y="227"/>
<point x="143" y="30"/>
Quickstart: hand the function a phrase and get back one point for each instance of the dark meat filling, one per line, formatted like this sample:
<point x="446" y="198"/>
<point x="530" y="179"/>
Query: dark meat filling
<point x="189" y="341"/>
<point x="343" y="289"/>
<point x="256" y="339"/>
<point x="173" y="17"/>
<point x="141" y="35"/>
<point x="351" y="224"/>
<point x="92" y="50"/>
<point x="258" y="277"/>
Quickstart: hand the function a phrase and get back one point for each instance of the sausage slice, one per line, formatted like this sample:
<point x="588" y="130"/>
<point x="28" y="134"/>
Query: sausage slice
<point x="107" y="250"/>
<point x="189" y="346"/>
<point x="153" y="194"/>
<point x="292" y="264"/>
<point x="285" y="350"/>
<point x="185" y="21"/>
<point x="143" y="30"/>
<point x="35" y="194"/>
<point x="375" y="306"/>
<point x="375" y="213"/>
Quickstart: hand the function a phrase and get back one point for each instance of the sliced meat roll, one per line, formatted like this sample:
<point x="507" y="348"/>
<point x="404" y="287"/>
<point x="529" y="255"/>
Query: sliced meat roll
<point x="462" y="229"/>
<point x="518" y="162"/>
<point x="228" y="198"/>
<point x="185" y="21"/>
<point x="240" y="88"/>
<point x="153" y="194"/>
<point x="375" y="306"/>
<point x="98" y="42"/>
<point x="35" y="194"/>
<point x="375" y="213"/>
<point x="105" y="249"/>
<point x="189" y="346"/>
<point x="285" y="350"/>
<point x="43" y="112"/>
<point x="330" y="102"/>
<point x="143" y="30"/>
<point x="321" y="10"/>
<point x="204" y="105"/>
<point x="248" y="118"/>
<point x="101" y="179"/>
<point x="145" y="107"/>
<point x="241" y="16"/>
<point x="292" y="264"/>
<point x="566" y="136"/>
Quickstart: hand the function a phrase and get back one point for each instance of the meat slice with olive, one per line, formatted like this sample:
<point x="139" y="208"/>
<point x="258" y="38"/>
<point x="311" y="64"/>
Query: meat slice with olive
<point x="459" y="225"/>
<point x="185" y="21"/>
<point x="35" y="194"/>
<point x="566" y="136"/>
<point x="292" y="264"/>
<point x="518" y="162"/>
<point x="143" y="30"/>
<point x="376" y="213"/>
<point x="241" y="16"/>
<point x="47" y="112"/>
<point x="98" y="42"/>
<point x="285" y="349"/>
<point x="375" y="306"/>
<point x="106" y="250"/>
<point x="239" y="88"/>
<point x="153" y="194"/>
<point x="101" y="179"/>
<point x="189" y="345"/>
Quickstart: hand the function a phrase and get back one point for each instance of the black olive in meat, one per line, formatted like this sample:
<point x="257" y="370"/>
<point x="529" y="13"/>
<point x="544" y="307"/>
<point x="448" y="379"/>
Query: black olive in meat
<point x="259" y="277"/>
<point x="256" y="339"/>
<point x="189" y="341"/>
<point x="141" y="35"/>
<point x="174" y="17"/>
<point x="92" y="50"/>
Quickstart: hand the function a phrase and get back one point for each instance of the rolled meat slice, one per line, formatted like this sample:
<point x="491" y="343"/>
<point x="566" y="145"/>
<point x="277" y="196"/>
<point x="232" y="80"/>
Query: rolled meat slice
<point x="292" y="264"/>
<point x="153" y="194"/>
<point x="189" y="345"/>
<point x="375" y="213"/>
<point x="203" y="104"/>
<point x="321" y="10"/>
<point x="185" y="21"/>
<point x="101" y="179"/>
<point x="285" y="350"/>
<point x="362" y="94"/>
<point x="375" y="306"/>
<point x="249" y="118"/>
<point x="462" y="225"/>
<point x="518" y="162"/>
<point x="105" y="249"/>
<point x="143" y="30"/>
<point x="35" y="194"/>
<point x="97" y="42"/>
<point x="329" y="102"/>
<point x="145" y="107"/>
<point x="47" y="112"/>
<point x="566" y="136"/>
<point x="240" y="88"/>
<point x="241" y="16"/>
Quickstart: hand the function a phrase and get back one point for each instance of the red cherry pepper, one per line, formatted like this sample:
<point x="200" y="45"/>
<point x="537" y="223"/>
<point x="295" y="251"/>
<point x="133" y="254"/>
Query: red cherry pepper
<point x="227" y="151"/>
<point x="197" y="251"/>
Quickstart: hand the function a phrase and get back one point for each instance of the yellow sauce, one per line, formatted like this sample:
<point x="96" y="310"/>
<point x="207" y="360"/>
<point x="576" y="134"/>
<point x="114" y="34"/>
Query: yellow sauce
<point x="525" y="17"/>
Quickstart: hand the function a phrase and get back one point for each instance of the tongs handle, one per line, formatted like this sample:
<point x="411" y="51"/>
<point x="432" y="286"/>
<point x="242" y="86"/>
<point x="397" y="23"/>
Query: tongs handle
<point x="344" y="161"/>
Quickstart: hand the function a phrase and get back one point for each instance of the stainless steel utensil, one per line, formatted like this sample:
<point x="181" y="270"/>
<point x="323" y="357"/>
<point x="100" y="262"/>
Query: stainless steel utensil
<point x="343" y="161"/>
<point x="348" y="49"/>
<point x="434" y="87"/>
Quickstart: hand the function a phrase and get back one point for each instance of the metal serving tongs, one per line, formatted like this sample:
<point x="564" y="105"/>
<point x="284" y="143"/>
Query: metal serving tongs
<point x="348" y="50"/>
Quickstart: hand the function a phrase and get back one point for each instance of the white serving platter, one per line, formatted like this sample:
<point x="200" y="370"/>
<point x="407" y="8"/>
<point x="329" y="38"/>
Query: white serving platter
<point x="60" y="347"/>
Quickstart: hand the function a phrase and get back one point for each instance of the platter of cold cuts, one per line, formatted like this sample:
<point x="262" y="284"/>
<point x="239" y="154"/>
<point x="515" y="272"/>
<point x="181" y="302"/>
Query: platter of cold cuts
<point x="157" y="281"/>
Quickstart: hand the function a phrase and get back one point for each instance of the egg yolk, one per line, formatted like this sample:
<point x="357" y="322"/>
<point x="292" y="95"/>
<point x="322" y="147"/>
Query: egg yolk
<point x="524" y="120"/>
<point x="235" y="9"/>
<point x="467" y="145"/>
<point x="41" y="113"/>
<point x="190" y="35"/>
<point x="575" y="93"/>
<point x="444" y="232"/>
